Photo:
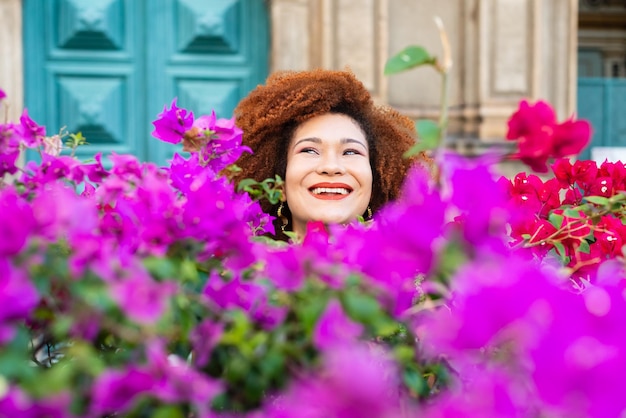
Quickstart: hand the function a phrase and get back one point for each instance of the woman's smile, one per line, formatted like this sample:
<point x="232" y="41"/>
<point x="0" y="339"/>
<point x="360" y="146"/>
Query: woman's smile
<point x="329" y="176"/>
<point x="330" y="191"/>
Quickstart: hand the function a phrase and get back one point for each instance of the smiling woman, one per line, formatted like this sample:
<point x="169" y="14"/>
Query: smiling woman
<point x="341" y="156"/>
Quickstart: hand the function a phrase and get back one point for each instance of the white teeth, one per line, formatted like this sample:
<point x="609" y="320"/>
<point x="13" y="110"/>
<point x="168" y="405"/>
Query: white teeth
<point x="319" y="190"/>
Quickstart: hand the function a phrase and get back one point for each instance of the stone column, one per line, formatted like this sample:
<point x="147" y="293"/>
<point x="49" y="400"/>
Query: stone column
<point x="11" y="58"/>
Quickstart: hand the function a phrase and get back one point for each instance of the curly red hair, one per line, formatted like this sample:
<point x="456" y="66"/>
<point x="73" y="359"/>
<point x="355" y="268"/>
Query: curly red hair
<point x="269" y="115"/>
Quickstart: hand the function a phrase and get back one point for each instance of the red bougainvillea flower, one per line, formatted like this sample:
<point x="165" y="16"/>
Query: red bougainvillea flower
<point x="581" y="173"/>
<point x="172" y="124"/>
<point x="540" y="137"/>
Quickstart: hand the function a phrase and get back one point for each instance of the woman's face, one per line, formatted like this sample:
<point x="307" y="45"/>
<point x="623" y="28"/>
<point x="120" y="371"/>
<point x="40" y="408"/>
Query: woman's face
<point x="329" y="177"/>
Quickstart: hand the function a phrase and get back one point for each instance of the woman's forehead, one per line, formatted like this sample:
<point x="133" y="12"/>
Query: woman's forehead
<point x="329" y="126"/>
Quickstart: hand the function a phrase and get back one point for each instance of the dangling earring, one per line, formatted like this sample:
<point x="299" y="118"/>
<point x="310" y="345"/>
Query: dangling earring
<point x="368" y="214"/>
<point x="282" y="217"/>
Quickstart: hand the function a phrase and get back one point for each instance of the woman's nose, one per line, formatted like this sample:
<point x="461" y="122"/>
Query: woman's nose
<point x="330" y="165"/>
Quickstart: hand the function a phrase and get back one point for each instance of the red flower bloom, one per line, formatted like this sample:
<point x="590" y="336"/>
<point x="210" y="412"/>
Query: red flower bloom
<point x="540" y="137"/>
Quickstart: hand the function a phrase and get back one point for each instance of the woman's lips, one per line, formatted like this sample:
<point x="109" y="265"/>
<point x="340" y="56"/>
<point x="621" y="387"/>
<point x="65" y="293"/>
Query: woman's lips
<point x="330" y="191"/>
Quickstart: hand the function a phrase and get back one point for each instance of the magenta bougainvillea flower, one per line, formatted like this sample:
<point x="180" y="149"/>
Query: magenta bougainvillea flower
<point x="356" y="381"/>
<point x="32" y="134"/>
<point x="3" y="95"/>
<point x="172" y="124"/>
<point x="16" y="403"/>
<point x="334" y="327"/>
<point x="16" y="223"/>
<point x="10" y="139"/>
<point x="18" y="297"/>
<point x="142" y="298"/>
<point x="117" y="390"/>
<point x="540" y="137"/>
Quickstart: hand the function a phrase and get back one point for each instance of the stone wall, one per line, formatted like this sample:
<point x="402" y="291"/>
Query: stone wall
<point x="503" y="50"/>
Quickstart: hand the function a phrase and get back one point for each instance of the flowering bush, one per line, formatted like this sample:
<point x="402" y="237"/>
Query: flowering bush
<point x="152" y="291"/>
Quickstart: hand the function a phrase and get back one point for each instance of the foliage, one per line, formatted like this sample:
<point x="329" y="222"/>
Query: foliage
<point x="152" y="291"/>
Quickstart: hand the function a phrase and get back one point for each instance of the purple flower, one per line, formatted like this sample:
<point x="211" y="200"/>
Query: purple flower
<point x="51" y="169"/>
<point x="141" y="298"/>
<point x="204" y="338"/>
<point x="482" y="392"/>
<point x="2" y="94"/>
<point x="334" y="327"/>
<point x="224" y="143"/>
<point x="211" y="215"/>
<point x="497" y="298"/>
<point x="172" y="124"/>
<point x="580" y="361"/>
<point x="128" y="167"/>
<point x="95" y="172"/>
<point x="15" y="403"/>
<point x="32" y="134"/>
<point x="183" y="172"/>
<point x="479" y="199"/>
<point x="16" y="222"/>
<point x="60" y="213"/>
<point x="9" y="148"/>
<point x="249" y="296"/>
<point x="283" y="266"/>
<point x="176" y="381"/>
<point x="115" y="391"/>
<point x="356" y="381"/>
<point x="18" y="297"/>
<point x="400" y="245"/>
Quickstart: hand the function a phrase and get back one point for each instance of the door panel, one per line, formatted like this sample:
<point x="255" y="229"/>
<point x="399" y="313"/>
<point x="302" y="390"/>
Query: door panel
<point x="602" y="101"/>
<point x="211" y="54"/>
<point x="106" y="68"/>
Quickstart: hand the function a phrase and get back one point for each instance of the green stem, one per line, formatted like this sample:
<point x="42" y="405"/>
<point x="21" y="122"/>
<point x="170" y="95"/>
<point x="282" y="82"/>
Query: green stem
<point x="443" y="112"/>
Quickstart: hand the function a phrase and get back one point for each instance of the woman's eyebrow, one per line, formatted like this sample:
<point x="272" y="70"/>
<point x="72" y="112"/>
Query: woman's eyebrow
<point x="353" y="141"/>
<point x="342" y="141"/>
<point x="316" y="140"/>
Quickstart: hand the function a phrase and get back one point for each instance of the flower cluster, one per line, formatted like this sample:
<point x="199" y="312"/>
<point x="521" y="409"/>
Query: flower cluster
<point x="540" y="137"/>
<point x="576" y="214"/>
<point x="143" y="290"/>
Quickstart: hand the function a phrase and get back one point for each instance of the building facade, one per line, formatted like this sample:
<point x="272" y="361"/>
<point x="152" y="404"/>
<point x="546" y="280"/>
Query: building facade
<point x="502" y="51"/>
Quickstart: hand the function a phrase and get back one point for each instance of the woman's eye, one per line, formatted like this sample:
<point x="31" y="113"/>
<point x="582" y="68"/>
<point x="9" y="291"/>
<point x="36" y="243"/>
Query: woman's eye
<point x="308" y="151"/>
<point x="351" y="152"/>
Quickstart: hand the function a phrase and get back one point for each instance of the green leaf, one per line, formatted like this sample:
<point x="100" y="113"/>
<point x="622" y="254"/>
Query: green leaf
<point x="556" y="220"/>
<point x="245" y="184"/>
<point x="168" y="411"/>
<point x="161" y="268"/>
<point x="415" y="382"/>
<point x="598" y="200"/>
<point x="584" y="247"/>
<point x="404" y="354"/>
<point x="363" y="308"/>
<point x="410" y="57"/>
<point x="310" y="310"/>
<point x="428" y="134"/>
<point x="560" y="248"/>
<point x="572" y="213"/>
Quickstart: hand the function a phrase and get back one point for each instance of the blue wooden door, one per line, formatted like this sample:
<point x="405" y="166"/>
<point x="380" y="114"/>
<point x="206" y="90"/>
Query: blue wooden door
<point x="106" y="68"/>
<point x="602" y="101"/>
